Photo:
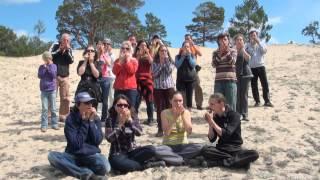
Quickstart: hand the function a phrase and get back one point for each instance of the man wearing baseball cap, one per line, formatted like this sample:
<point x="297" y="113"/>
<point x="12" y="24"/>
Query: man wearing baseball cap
<point x="82" y="157"/>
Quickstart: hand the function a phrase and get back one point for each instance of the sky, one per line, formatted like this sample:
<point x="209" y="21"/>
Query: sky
<point x="288" y="17"/>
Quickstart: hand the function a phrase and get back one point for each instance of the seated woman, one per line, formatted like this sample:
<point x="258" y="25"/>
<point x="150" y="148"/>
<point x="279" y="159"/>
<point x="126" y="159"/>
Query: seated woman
<point x="121" y="128"/>
<point x="176" y="125"/>
<point x="90" y="70"/>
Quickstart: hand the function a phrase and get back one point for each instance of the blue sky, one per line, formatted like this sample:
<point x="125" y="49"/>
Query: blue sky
<point x="288" y="17"/>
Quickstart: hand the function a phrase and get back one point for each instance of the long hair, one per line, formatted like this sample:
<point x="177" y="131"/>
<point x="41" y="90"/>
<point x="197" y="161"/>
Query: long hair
<point x="157" y="56"/>
<point x="112" y="111"/>
<point x="95" y="52"/>
<point x="137" y="48"/>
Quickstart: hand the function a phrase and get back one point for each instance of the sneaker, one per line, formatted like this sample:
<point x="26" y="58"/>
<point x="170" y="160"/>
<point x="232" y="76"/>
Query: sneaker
<point x="43" y="129"/>
<point x="159" y="134"/>
<point x="155" y="164"/>
<point x="257" y="104"/>
<point x="199" y="108"/>
<point x="55" y="127"/>
<point x="268" y="104"/>
<point x="148" y="122"/>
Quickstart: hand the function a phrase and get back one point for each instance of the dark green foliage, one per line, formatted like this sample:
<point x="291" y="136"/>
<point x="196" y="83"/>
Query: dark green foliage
<point x="154" y="26"/>
<point x="90" y="20"/>
<point x="312" y="30"/>
<point x="207" y="23"/>
<point x="11" y="45"/>
<point x="250" y="15"/>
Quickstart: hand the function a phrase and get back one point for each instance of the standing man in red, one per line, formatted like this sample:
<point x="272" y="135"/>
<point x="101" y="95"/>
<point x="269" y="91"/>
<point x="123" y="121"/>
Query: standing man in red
<point x="62" y="57"/>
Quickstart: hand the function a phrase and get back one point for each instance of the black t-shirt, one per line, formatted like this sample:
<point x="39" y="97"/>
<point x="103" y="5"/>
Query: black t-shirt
<point x="87" y="75"/>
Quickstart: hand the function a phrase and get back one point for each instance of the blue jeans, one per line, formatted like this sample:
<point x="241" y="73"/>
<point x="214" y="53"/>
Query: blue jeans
<point x="130" y="93"/>
<point x="48" y="98"/>
<point x="229" y="90"/>
<point x="105" y="84"/>
<point x="79" y="167"/>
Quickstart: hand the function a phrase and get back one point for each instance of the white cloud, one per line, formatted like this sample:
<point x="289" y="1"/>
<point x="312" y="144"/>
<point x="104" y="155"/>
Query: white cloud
<point x="275" y="20"/>
<point x="18" y="1"/>
<point x="21" y="32"/>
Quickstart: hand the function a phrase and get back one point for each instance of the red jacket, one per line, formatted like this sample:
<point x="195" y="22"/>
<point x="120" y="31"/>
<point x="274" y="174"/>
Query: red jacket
<point x="125" y="74"/>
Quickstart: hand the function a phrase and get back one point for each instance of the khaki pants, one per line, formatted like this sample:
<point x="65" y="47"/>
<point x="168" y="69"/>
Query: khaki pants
<point x="63" y="86"/>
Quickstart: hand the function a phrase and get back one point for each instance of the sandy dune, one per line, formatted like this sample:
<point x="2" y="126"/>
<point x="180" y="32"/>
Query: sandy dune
<point x="286" y="136"/>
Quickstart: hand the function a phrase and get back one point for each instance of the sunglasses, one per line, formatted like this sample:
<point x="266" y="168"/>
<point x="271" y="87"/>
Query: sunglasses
<point x="125" y="48"/>
<point x="90" y="50"/>
<point x="122" y="105"/>
<point x="88" y="103"/>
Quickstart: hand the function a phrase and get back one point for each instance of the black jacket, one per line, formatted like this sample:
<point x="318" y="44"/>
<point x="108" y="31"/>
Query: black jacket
<point x="61" y="59"/>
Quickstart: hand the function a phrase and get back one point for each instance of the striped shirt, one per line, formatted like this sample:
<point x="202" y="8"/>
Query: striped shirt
<point x="225" y="65"/>
<point x="162" y="75"/>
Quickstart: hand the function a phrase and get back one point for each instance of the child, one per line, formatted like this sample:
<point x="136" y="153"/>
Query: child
<point x="47" y="74"/>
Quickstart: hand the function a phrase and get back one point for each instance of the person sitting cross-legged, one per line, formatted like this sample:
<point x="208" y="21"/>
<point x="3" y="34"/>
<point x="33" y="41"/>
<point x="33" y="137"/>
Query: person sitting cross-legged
<point x="82" y="157"/>
<point x="225" y="124"/>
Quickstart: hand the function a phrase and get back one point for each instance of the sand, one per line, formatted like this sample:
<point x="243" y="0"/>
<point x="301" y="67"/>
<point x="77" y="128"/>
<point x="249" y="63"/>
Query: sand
<point x="287" y="136"/>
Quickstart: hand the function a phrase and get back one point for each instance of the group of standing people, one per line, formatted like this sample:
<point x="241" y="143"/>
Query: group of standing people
<point x="144" y="71"/>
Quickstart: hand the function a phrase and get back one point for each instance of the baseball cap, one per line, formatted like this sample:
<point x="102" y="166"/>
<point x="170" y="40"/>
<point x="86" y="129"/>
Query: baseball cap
<point x="107" y="41"/>
<point x="83" y="97"/>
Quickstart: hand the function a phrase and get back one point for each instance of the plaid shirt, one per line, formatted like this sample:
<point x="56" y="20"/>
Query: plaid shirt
<point x="122" y="139"/>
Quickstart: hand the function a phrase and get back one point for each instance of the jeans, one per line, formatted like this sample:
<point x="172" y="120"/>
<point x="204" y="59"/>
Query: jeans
<point x="229" y="90"/>
<point x="111" y="92"/>
<point x="242" y="96"/>
<point x="63" y="85"/>
<point x="133" y="160"/>
<point x="260" y="72"/>
<point x="79" y="167"/>
<point x="130" y="93"/>
<point x="48" y="98"/>
<point x="149" y="107"/>
<point x="186" y="88"/>
<point x="105" y="84"/>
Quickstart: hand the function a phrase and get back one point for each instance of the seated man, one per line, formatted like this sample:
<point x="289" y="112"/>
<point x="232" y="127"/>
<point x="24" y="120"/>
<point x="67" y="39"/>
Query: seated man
<point x="225" y="124"/>
<point x="82" y="158"/>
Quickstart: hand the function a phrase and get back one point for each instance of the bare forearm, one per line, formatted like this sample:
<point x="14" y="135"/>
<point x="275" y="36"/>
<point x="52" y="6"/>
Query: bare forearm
<point x="94" y="70"/>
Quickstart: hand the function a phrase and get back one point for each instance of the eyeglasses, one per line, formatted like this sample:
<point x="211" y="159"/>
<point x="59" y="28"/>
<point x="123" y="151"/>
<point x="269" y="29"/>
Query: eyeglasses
<point x="88" y="103"/>
<point x="90" y="50"/>
<point x="125" y="48"/>
<point x="122" y="105"/>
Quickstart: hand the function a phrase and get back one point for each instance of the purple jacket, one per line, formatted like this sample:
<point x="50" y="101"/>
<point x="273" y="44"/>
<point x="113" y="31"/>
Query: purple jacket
<point x="47" y="76"/>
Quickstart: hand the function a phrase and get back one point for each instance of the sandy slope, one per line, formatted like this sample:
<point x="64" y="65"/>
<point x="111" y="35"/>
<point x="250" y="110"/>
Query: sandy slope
<point x="286" y="136"/>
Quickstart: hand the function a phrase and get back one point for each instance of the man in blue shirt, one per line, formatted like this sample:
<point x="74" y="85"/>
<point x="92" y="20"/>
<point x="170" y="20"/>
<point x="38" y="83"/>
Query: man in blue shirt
<point x="82" y="157"/>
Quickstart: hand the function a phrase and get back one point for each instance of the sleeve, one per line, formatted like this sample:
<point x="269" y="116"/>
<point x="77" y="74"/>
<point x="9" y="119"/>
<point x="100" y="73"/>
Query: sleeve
<point x="95" y="131"/>
<point x="233" y="54"/>
<point x="98" y="64"/>
<point x="52" y="70"/>
<point x="178" y="60"/>
<point x="131" y="66"/>
<point x="136" y="126"/>
<point x="262" y="49"/>
<point x="168" y="67"/>
<point x="214" y="62"/>
<point x="116" y="67"/>
<point x="69" y="56"/>
<point x="110" y="133"/>
<point x="192" y="61"/>
<point x="233" y="124"/>
<point x="156" y="69"/>
<point x="214" y="138"/>
<point x="41" y="71"/>
<point x="75" y="136"/>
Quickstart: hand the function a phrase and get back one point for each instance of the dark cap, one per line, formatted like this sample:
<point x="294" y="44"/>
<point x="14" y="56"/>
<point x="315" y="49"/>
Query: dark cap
<point x="156" y="36"/>
<point x="83" y="97"/>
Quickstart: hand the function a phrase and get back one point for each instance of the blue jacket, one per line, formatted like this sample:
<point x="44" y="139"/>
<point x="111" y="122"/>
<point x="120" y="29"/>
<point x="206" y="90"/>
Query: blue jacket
<point x="83" y="137"/>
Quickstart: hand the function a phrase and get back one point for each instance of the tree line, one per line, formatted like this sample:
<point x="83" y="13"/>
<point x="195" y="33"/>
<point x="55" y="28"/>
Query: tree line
<point x="90" y="20"/>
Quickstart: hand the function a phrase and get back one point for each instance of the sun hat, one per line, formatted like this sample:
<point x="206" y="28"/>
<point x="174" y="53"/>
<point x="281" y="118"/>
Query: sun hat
<point x="83" y="97"/>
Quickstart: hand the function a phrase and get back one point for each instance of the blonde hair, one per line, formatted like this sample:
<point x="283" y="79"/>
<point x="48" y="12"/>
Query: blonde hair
<point x="128" y="43"/>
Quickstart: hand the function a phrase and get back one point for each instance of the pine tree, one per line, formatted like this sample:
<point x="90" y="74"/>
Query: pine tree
<point x="312" y="30"/>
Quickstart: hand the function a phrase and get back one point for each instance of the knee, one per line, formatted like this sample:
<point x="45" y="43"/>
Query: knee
<point x="150" y="150"/>
<point x="53" y="156"/>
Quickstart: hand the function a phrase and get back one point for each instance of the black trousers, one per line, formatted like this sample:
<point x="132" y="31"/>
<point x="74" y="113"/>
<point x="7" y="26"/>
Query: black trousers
<point x="233" y="159"/>
<point x="260" y="72"/>
<point x="242" y="95"/>
<point x="186" y="88"/>
<point x="133" y="160"/>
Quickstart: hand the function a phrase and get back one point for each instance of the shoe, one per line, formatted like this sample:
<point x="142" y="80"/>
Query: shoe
<point x="193" y="162"/>
<point x="148" y="122"/>
<point x="159" y="134"/>
<point x="155" y="164"/>
<point x="43" y="129"/>
<point x="244" y="118"/>
<point x="98" y="177"/>
<point x="268" y="104"/>
<point x="55" y="127"/>
<point x="257" y="104"/>
<point x="199" y="108"/>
